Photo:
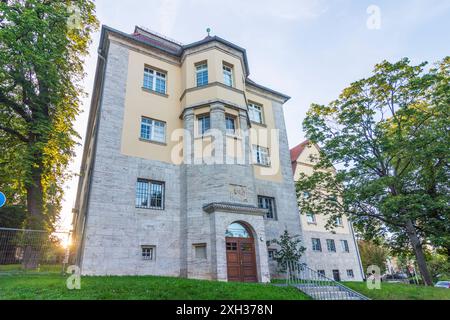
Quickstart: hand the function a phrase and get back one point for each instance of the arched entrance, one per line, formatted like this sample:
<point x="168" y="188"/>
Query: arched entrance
<point x="241" y="258"/>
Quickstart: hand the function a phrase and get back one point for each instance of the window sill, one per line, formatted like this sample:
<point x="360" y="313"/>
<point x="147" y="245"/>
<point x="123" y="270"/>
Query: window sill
<point x="165" y="95"/>
<point x="149" y="209"/>
<point x="234" y="136"/>
<point x="258" y="124"/>
<point x="153" y="141"/>
<point x="262" y="165"/>
<point x="312" y="223"/>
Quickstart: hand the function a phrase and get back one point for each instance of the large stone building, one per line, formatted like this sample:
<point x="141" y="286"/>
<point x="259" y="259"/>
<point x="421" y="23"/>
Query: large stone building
<point x="333" y="253"/>
<point x="186" y="168"/>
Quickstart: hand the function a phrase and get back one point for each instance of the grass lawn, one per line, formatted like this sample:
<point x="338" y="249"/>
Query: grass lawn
<point x="398" y="291"/>
<point x="51" y="287"/>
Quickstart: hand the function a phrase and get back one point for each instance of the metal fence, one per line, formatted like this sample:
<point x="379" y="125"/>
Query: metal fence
<point x="317" y="285"/>
<point x="33" y="251"/>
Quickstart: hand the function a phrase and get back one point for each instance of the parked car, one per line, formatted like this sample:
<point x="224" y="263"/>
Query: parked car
<point x="443" y="284"/>
<point x="396" y="278"/>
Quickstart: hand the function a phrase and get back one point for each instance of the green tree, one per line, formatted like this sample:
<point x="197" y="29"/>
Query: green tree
<point x="387" y="135"/>
<point x="372" y="254"/>
<point x="43" y="44"/>
<point x="290" y="250"/>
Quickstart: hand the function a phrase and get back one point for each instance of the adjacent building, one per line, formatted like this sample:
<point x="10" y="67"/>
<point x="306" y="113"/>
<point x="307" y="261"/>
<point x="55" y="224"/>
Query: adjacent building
<point x="186" y="167"/>
<point x="333" y="253"/>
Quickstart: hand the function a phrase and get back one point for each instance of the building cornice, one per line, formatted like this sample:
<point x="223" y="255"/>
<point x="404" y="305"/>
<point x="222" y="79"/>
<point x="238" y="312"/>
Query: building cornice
<point x="234" y="208"/>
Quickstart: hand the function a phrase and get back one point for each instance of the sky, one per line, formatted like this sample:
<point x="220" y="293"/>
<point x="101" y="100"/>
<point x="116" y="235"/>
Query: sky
<point x="308" y="49"/>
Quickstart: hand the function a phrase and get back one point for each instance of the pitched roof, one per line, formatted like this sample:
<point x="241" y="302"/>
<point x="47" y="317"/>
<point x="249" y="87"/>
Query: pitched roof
<point x="296" y="152"/>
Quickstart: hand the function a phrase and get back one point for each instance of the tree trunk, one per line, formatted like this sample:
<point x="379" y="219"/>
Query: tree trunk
<point x="35" y="220"/>
<point x="418" y="251"/>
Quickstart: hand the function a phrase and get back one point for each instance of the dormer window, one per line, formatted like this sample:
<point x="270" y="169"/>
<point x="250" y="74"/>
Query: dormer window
<point x="227" y="74"/>
<point x="155" y="80"/>
<point x="201" y="70"/>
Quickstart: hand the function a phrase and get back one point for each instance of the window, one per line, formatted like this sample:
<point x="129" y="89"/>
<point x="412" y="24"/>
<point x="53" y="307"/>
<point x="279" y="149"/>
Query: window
<point x="344" y="245"/>
<point x="331" y="246"/>
<point x="149" y="194"/>
<point x="321" y="273"/>
<point x="350" y="273"/>
<point x="311" y="218"/>
<point x="200" y="251"/>
<point x="230" y="124"/>
<point x="154" y="80"/>
<point x="204" y="124"/>
<point x="316" y="245"/>
<point x="339" y="221"/>
<point x="255" y="113"/>
<point x="227" y="75"/>
<point x="153" y="130"/>
<point x="269" y="204"/>
<point x="271" y="253"/>
<point x="148" y="252"/>
<point x="201" y="71"/>
<point x="261" y="155"/>
<point x="306" y="194"/>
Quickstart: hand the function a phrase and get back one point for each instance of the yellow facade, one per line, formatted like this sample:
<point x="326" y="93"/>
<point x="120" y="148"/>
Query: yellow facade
<point x="182" y="92"/>
<point x="305" y="164"/>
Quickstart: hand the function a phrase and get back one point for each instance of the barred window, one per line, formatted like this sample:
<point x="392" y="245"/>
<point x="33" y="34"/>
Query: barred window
<point x="350" y="273"/>
<point x="149" y="194"/>
<point x="153" y="130"/>
<point x="321" y="273"/>
<point x="148" y="252"/>
<point x="331" y="246"/>
<point x="200" y="251"/>
<point x="271" y="253"/>
<point x="316" y="245"/>
<point x="269" y="204"/>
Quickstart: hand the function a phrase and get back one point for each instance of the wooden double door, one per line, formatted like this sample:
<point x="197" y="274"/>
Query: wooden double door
<point x="241" y="259"/>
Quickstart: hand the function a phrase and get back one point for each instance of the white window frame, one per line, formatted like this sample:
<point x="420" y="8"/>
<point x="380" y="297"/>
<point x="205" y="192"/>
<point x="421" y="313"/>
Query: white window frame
<point x="261" y="155"/>
<point x="329" y="246"/>
<point x="152" y="125"/>
<point x="319" y="249"/>
<point x="150" y="78"/>
<point x="233" y="118"/>
<point x="344" y="245"/>
<point x="200" y="130"/>
<point x="311" y="218"/>
<point x="227" y="71"/>
<point x="339" y="222"/>
<point x="254" y="109"/>
<point x="201" y="68"/>
<point x="147" y="191"/>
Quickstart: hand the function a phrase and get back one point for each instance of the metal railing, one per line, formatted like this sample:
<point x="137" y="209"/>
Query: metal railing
<point x="31" y="251"/>
<point x="317" y="285"/>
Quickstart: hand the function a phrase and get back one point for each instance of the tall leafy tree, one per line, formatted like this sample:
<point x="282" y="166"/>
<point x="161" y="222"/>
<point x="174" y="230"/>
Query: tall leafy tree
<point x="387" y="135"/>
<point x="373" y="254"/>
<point x="42" y="46"/>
